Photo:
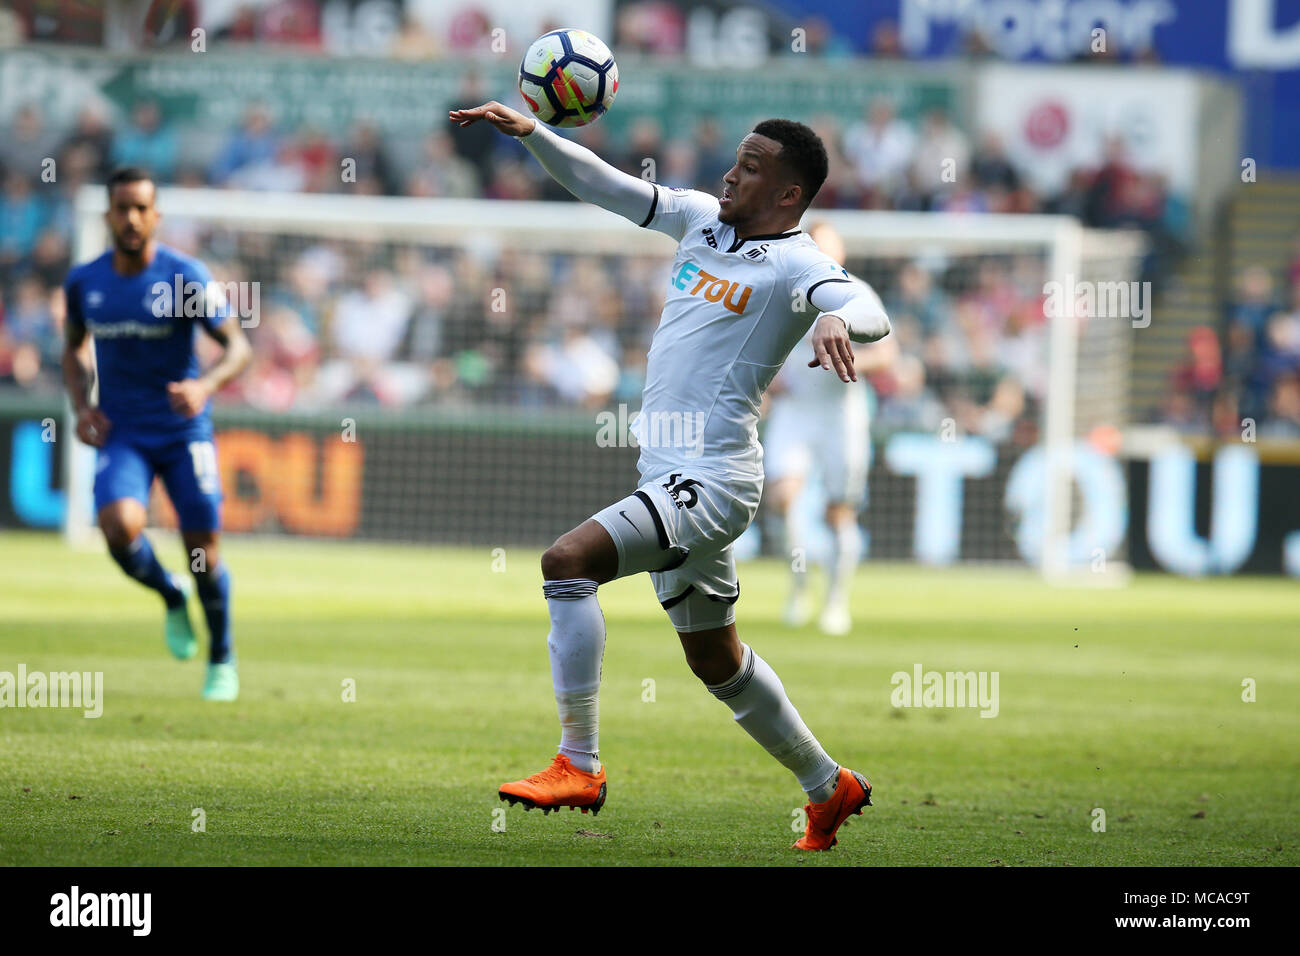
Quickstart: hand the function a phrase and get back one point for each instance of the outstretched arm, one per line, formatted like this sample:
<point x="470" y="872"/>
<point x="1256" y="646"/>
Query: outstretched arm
<point x="576" y="168"/>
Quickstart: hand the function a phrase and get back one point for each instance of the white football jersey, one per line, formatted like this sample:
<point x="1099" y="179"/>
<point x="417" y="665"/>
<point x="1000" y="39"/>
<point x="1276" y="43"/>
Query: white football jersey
<point x="733" y="313"/>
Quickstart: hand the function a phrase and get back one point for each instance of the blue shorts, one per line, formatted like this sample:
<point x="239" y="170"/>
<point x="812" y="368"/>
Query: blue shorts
<point x="127" y="464"/>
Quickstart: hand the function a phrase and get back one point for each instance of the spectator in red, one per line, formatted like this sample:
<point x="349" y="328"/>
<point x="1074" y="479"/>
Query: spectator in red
<point x="292" y="23"/>
<point x="1293" y="274"/>
<point x="314" y="154"/>
<point x="886" y="41"/>
<point x="1108" y="197"/>
<point x="1201" y="372"/>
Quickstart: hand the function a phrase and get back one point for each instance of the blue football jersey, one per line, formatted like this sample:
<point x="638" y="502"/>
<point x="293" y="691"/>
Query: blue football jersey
<point x="143" y="327"/>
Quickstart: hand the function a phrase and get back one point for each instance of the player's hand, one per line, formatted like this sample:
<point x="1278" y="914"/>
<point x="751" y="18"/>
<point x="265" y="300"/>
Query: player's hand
<point x="93" y="427"/>
<point x="511" y="122"/>
<point x="832" y="348"/>
<point x="189" y="396"/>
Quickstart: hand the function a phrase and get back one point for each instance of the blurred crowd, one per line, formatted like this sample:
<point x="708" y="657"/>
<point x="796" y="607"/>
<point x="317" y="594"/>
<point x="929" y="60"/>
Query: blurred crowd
<point x="430" y="29"/>
<point x="1245" y="382"/>
<point x="401" y="325"/>
<point x="972" y="347"/>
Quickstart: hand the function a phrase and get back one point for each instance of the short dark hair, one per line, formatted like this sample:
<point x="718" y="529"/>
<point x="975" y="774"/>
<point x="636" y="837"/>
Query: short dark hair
<point x="127" y="174"/>
<point x="802" y="151"/>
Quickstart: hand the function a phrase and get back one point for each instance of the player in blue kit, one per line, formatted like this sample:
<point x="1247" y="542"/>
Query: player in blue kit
<point x="141" y="303"/>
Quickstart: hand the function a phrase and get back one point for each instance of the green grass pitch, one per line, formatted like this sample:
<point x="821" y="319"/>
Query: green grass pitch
<point x="1128" y="700"/>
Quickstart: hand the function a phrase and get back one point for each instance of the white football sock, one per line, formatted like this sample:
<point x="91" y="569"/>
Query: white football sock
<point x="576" y="645"/>
<point x="844" y="562"/>
<point x="756" y="696"/>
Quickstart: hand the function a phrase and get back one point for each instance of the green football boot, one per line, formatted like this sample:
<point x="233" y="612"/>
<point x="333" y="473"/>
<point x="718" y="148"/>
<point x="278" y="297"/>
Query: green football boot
<point x="180" y="633"/>
<point x="222" y="682"/>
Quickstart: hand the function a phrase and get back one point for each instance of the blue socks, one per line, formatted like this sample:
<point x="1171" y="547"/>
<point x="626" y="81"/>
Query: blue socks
<point x="214" y="594"/>
<point x="138" y="561"/>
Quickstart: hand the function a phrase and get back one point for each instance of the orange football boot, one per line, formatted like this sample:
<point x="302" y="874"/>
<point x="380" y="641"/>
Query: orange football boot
<point x="559" y="785"/>
<point x="852" y="793"/>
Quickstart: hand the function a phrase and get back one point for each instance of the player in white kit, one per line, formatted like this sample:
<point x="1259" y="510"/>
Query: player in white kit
<point x="734" y="311"/>
<point x="815" y="423"/>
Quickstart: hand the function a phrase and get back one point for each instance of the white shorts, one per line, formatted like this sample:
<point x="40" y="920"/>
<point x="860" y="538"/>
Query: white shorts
<point x="694" y="514"/>
<point x="833" y="435"/>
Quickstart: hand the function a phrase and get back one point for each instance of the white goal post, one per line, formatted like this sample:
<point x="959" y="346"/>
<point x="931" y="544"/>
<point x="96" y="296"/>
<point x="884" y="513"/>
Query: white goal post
<point x="1086" y="368"/>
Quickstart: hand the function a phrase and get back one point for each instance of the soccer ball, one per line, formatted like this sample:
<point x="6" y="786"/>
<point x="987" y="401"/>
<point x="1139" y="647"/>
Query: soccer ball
<point x="568" y="77"/>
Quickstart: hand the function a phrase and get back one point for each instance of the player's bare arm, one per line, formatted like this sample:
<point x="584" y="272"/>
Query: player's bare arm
<point x="189" y="396"/>
<point x="79" y="378"/>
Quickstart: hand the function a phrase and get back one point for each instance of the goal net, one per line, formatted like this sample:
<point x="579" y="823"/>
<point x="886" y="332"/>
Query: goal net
<point x="463" y="372"/>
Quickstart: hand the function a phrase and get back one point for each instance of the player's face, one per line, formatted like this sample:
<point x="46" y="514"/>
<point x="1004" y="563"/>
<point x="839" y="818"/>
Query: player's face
<point x="132" y="216"/>
<point x="756" y="183"/>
